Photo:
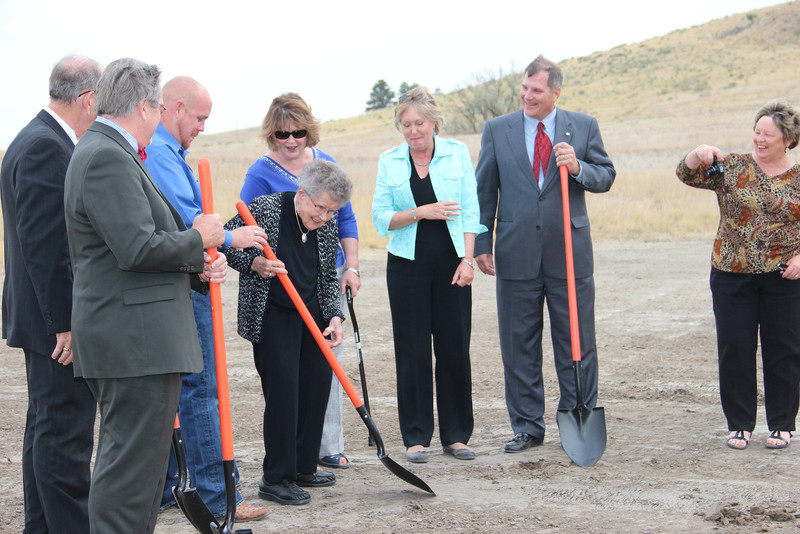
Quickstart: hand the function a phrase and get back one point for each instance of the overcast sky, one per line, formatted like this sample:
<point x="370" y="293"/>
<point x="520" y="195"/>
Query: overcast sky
<point x="248" y="52"/>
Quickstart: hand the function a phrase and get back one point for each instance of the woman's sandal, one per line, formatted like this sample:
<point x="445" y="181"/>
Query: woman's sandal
<point x="737" y="436"/>
<point x="781" y="443"/>
<point x="336" y="461"/>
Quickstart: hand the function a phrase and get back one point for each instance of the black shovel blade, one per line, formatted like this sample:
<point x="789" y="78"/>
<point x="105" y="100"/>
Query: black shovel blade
<point x="397" y="469"/>
<point x="583" y="434"/>
<point x="189" y="501"/>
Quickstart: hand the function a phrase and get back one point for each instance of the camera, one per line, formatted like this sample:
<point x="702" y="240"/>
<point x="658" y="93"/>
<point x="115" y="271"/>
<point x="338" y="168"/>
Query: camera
<point x="716" y="170"/>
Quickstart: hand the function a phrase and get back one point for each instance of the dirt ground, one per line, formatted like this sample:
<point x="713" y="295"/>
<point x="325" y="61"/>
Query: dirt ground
<point x="665" y="469"/>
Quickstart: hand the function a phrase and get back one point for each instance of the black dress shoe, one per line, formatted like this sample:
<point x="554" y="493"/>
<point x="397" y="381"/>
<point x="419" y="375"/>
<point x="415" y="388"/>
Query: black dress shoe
<point x="283" y="492"/>
<point x="522" y="441"/>
<point x="320" y="479"/>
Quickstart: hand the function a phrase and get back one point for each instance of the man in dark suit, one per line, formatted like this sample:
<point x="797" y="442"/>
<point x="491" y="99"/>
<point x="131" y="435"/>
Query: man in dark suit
<point x="519" y="187"/>
<point x="133" y="327"/>
<point x="37" y="303"/>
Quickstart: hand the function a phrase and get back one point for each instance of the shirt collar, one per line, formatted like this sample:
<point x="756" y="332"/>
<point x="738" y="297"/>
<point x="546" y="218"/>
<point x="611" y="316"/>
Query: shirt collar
<point x="163" y="136"/>
<point x="63" y="124"/>
<point x="122" y="131"/>
<point x="532" y="124"/>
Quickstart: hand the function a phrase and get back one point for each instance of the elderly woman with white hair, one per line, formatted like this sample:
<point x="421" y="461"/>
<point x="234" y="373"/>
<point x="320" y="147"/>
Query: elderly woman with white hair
<point x="426" y="201"/>
<point x="295" y="377"/>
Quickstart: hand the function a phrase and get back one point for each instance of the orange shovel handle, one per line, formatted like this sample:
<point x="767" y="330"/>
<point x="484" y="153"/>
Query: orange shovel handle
<point x="574" y="331"/>
<point x="223" y="392"/>
<point x="249" y="220"/>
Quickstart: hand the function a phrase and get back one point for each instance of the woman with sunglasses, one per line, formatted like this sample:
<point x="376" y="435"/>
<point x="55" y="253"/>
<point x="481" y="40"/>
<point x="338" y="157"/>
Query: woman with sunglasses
<point x="426" y="201"/>
<point x="292" y="132"/>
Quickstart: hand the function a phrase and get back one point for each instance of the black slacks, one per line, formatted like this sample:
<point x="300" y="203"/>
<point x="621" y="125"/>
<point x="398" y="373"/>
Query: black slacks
<point x="57" y="447"/>
<point x="425" y="305"/>
<point x="296" y="381"/>
<point x="744" y="305"/>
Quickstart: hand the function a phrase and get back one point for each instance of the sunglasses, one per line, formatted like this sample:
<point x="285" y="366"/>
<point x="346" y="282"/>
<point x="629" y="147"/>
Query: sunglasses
<point x="297" y="134"/>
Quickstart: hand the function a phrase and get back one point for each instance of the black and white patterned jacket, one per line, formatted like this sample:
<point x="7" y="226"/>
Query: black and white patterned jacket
<point x="254" y="290"/>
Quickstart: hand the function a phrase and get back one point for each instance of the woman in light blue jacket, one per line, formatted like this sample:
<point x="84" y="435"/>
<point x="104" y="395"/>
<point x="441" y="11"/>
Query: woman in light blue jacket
<point x="426" y="201"/>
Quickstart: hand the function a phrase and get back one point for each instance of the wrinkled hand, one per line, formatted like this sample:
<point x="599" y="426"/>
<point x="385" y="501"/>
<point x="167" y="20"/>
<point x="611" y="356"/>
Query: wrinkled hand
<point x="335" y="328"/>
<point x="463" y="276"/>
<point x="267" y="268"/>
<point x="249" y="236"/>
<point x="351" y="280"/>
<point x="443" y="211"/>
<point x="210" y="228"/>
<point x="63" y="351"/>
<point x="485" y="263"/>
<point x="565" y="156"/>
<point x="216" y="272"/>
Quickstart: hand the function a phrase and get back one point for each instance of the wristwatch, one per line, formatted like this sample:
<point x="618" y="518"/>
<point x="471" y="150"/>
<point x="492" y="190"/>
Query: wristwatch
<point x="353" y="270"/>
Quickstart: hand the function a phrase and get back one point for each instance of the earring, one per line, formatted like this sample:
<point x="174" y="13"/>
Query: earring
<point x="787" y="150"/>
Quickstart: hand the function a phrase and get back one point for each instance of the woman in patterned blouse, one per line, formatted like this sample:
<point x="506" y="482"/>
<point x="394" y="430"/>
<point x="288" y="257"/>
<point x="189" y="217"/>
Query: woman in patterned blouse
<point x="755" y="272"/>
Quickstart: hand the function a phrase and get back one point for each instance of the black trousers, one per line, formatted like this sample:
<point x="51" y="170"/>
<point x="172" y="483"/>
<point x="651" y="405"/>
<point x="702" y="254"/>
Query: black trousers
<point x="744" y="305"/>
<point x="57" y="447"/>
<point x="296" y="381"/>
<point x="425" y="305"/>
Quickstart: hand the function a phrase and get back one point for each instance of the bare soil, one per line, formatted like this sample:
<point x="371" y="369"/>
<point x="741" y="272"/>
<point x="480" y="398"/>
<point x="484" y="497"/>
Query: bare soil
<point x="666" y="467"/>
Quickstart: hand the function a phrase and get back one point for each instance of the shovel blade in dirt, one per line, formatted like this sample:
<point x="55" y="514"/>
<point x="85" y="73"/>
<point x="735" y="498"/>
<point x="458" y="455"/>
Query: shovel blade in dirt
<point x="189" y="501"/>
<point x="583" y="434"/>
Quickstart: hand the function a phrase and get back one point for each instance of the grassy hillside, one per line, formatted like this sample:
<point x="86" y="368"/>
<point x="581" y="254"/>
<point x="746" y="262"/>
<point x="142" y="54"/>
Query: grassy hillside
<point x="655" y="100"/>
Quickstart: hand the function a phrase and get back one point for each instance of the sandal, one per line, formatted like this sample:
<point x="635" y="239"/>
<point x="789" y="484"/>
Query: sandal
<point x="781" y="443"/>
<point x="737" y="436"/>
<point x="336" y="461"/>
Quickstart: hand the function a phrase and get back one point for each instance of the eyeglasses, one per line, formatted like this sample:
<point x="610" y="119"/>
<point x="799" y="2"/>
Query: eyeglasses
<point x="323" y="209"/>
<point x="86" y="92"/>
<point x="405" y="97"/>
<point x="297" y="134"/>
<point x="163" y="107"/>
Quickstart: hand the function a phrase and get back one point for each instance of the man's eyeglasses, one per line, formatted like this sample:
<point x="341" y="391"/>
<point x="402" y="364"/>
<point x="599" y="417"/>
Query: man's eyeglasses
<point x="297" y="134"/>
<point x="86" y="92"/>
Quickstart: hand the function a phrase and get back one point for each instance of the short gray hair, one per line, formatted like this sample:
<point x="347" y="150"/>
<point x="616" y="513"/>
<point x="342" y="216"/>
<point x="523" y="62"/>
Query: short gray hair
<point x="124" y="84"/>
<point x="785" y="118"/>
<point x="72" y="76"/>
<point x="325" y="176"/>
<point x="555" y="77"/>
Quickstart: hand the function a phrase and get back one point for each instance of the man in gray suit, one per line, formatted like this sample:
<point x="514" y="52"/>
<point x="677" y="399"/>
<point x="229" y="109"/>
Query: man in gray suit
<point x="519" y="187"/>
<point x="134" y="264"/>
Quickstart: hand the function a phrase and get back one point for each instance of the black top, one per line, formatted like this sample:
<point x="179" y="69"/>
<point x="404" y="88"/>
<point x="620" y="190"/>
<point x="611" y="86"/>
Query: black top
<point x="301" y="259"/>
<point x="433" y="237"/>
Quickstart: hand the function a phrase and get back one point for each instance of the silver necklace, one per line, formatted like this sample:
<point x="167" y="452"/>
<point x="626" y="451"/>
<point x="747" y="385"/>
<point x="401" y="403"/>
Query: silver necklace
<point x="303" y="235"/>
<point x="421" y="164"/>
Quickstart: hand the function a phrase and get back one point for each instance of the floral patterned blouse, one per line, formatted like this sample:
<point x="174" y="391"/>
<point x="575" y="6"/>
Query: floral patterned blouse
<point x="759" y="225"/>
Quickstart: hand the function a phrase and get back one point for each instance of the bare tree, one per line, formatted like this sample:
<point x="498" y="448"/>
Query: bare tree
<point x="487" y="96"/>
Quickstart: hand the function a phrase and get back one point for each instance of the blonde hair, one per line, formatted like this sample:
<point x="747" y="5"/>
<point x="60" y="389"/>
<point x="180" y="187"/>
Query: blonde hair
<point x="289" y="107"/>
<point x="423" y="101"/>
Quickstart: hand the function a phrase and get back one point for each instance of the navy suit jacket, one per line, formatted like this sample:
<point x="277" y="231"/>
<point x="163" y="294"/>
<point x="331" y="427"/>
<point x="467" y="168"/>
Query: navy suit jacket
<point x="528" y="237"/>
<point x="37" y="291"/>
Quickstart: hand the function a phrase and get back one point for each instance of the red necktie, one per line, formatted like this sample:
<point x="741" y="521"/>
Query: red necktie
<point x="143" y="153"/>
<point x="542" y="148"/>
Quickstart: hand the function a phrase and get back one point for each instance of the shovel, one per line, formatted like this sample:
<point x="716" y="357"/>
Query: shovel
<point x="583" y="431"/>
<point x="370" y="441"/>
<point x="189" y="501"/>
<point x="226" y="427"/>
<point x="394" y="467"/>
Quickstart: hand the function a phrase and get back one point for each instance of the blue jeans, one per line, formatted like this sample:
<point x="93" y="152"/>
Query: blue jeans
<point x="199" y="415"/>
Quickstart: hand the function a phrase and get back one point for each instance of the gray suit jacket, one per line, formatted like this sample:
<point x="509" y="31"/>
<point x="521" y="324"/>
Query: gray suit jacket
<point x="131" y="257"/>
<point x="529" y="234"/>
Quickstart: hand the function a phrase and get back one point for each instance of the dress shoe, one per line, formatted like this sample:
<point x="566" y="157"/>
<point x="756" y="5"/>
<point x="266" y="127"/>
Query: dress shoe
<point x="460" y="454"/>
<point x="320" y="479"/>
<point x="283" y="492"/>
<point x="522" y="441"/>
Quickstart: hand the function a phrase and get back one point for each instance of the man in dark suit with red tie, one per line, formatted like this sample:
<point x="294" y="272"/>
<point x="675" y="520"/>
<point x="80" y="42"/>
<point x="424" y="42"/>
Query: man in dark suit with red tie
<point x="37" y="302"/>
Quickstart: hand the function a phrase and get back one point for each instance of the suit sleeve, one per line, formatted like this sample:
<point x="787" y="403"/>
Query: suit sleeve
<point x="488" y="180"/>
<point x="116" y="202"/>
<point x="42" y="230"/>
<point x="597" y="172"/>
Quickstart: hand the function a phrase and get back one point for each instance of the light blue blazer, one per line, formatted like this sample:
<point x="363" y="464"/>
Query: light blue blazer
<point x="452" y="177"/>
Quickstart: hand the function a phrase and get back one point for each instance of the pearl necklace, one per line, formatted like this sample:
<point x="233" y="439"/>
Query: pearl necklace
<point x="303" y="235"/>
